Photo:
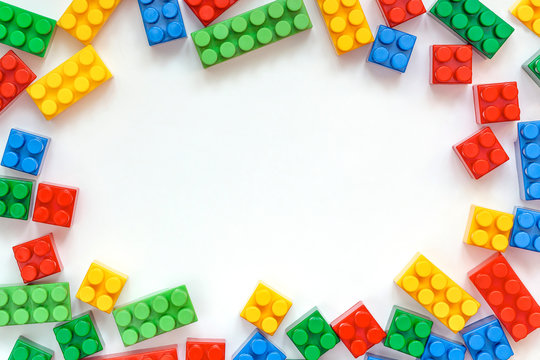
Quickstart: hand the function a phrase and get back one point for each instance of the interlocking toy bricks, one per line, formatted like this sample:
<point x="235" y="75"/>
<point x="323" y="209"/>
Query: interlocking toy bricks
<point x="208" y="10"/>
<point x="205" y="349"/>
<point x="481" y="153"/>
<point x="25" y="151"/>
<point x="162" y="20"/>
<point x="488" y="228"/>
<point x="496" y="102"/>
<point x="507" y="296"/>
<point x="451" y="64"/>
<point x="250" y="30"/>
<point x="78" y="338"/>
<point x="55" y="204"/>
<point x="392" y="48"/>
<point x="166" y="352"/>
<point x="26" y="349"/>
<point x="407" y="332"/>
<point x="258" y="347"/>
<point x="154" y="315"/>
<point x="266" y="308"/>
<point x="532" y="67"/>
<point x="526" y="229"/>
<point x="528" y="159"/>
<point x="15" y="196"/>
<point x="396" y="12"/>
<point x="439" y="348"/>
<point x="37" y="258"/>
<point x="15" y="76"/>
<point x="84" y="18"/>
<point x="69" y="82"/>
<point x="528" y="12"/>
<point x="485" y="339"/>
<point x="101" y="287"/>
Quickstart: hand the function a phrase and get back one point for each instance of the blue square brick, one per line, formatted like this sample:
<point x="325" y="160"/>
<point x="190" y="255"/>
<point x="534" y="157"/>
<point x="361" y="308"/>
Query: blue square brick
<point x="528" y="159"/>
<point x="485" y="339"/>
<point x="526" y="230"/>
<point x="257" y="347"/>
<point x="162" y="20"/>
<point x="439" y="348"/>
<point x="392" y="48"/>
<point x="25" y="151"/>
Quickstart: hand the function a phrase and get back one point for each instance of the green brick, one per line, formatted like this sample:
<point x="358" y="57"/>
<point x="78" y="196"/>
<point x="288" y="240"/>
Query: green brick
<point x="79" y="337"/>
<point x="34" y="304"/>
<point x="474" y="23"/>
<point x="26" y="349"/>
<point x="532" y="67"/>
<point x="25" y="30"/>
<point x="250" y="30"/>
<point x="312" y="335"/>
<point x="154" y="315"/>
<point x="15" y="196"/>
<point x="407" y="332"/>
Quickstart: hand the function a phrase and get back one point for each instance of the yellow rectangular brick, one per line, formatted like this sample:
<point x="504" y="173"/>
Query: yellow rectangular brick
<point x="437" y="293"/>
<point x="69" y="82"/>
<point x="488" y="228"/>
<point x="346" y="24"/>
<point x="528" y="12"/>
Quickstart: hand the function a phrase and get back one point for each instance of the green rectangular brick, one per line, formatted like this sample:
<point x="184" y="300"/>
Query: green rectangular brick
<point x="312" y="335"/>
<point x="475" y="23"/>
<point x="25" y="30"/>
<point x="79" y="337"/>
<point x="250" y="30"/>
<point x="15" y="198"/>
<point x="34" y="304"/>
<point x="154" y="315"/>
<point x="407" y="331"/>
<point x="532" y="67"/>
<point x="26" y="349"/>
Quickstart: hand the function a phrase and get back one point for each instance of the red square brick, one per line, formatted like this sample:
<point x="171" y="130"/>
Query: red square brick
<point x="208" y="10"/>
<point x="55" y="204"/>
<point x="496" y="102"/>
<point x="451" y="64"/>
<point x="37" y="258"/>
<point x="205" y="349"/>
<point x="15" y="76"/>
<point x="396" y="12"/>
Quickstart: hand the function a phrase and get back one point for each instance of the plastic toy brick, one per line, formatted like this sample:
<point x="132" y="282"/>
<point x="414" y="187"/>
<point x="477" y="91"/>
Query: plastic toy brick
<point x="25" y="30"/>
<point x="392" y="48"/>
<point x="407" y="332"/>
<point x="488" y="228"/>
<point x="474" y="23"/>
<point x="154" y="315"/>
<point x="101" y="287"/>
<point x="507" y="296"/>
<point x="208" y="10"/>
<point x="205" y="349"/>
<point x="312" y="335"/>
<point x="15" y="196"/>
<point x="162" y="20"/>
<point x="528" y="12"/>
<point x="84" y="18"/>
<point x="37" y="258"/>
<point x="526" y="230"/>
<point x="167" y="352"/>
<point x="69" y="82"/>
<point x="346" y="24"/>
<point x="439" y="348"/>
<point x="26" y="349"/>
<point x="496" y="102"/>
<point x="437" y="293"/>
<point x="358" y="329"/>
<point x="528" y="159"/>
<point x="25" y="151"/>
<point x="451" y="64"/>
<point x="370" y="356"/>
<point x="250" y="30"/>
<point x="34" y="304"/>
<point x="532" y="67"/>
<point x="485" y="339"/>
<point x="15" y="76"/>
<point x="78" y="338"/>
<point x="55" y="204"/>
<point x="396" y="12"/>
<point x="266" y="308"/>
<point x="258" y="347"/>
<point x="481" y="153"/>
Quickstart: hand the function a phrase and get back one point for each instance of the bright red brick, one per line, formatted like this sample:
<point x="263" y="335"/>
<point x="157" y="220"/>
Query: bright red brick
<point x="205" y="349"/>
<point x="15" y="76"/>
<point x="451" y="64"/>
<point x="396" y="12"/>
<point x="168" y="352"/>
<point x="208" y="10"/>
<point x="496" y="102"/>
<point x="37" y="258"/>
<point x="55" y="204"/>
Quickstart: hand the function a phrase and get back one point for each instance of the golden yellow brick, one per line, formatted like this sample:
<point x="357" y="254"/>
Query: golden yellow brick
<point x="528" y="12"/>
<point x="488" y="228"/>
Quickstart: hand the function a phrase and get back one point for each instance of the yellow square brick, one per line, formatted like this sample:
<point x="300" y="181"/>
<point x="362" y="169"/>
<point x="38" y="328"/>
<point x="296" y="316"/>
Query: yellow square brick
<point x="84" y="18"/>
<point x="437" y="293"/>
<point x="488" y="228"/>
<point x="69" y="82"/>
<point x="346" y="24"/>
<point x="266" y="308"/>
<point x="101" y="287"/>
<point x="528" y="12"/>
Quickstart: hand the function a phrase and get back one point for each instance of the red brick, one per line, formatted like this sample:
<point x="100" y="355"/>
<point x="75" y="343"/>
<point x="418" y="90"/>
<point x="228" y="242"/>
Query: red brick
<point x="496" y="102"/>
<point x="55" y="204"/>
<point x="205" y="349"/>
<point x="208" y="10"/>
<point x="451" y="64"/>
<point x="168" y="352"/>
<point x="15" y="76"/>
<point x="396" y="12"/>
<point x="37" y="258"/>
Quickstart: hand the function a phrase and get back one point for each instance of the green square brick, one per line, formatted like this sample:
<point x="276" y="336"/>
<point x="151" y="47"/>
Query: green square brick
<point x="474" y="23"/>
<point x="312" y="335"/>
<point x="79" y="337"/>
<point x="26" y="349"/>
<point x="15" y="196"/>
<point x="250" y="30"/>
<point x="407" y="331"/>
<point x="532" y="67"/>
<point x="34" y="304"/>
<point x="154" y="315"/>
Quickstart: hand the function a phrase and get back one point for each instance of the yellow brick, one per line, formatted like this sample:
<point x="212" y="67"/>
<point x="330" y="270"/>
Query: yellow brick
<point x="436" y="292"/>
<point x="84" y="18"/>
<point x="101" y="287"/>
<point x="266" y="308"/>
<point x="346" y="24"/>
<point x="528" y="12"/>
<point x="69" y="82"/>
<point x="488" y="228"/>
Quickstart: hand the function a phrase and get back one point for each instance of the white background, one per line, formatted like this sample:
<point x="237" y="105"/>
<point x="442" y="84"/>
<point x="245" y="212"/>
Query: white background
<point x="321" y="175"/>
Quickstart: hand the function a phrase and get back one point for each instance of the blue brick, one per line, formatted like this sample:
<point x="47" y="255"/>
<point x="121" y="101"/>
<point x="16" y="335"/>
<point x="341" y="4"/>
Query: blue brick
<point x="25" y="151"/>
<point x="257" y="347"/>
<point x="392" y="48"/>
<point x="370" y="356"/>
<point x="162" y="20"/>
<point x="486" y="340"/>
<point x="526" y="230"/>
<point x="528" y="159"/>
<point x="439" y="348"/>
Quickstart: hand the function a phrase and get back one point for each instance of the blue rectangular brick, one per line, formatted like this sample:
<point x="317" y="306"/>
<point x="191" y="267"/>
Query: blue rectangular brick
<point x="439" y="348"/>
<point x="25" y="151"/>
<point x="528" y="159"/>
<point x="392" y="48"/>
<point x="258" y="347"/>
<point x="485" y="339"/>
<point x="526" y="230"/>
<point x="162" y="20"/>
